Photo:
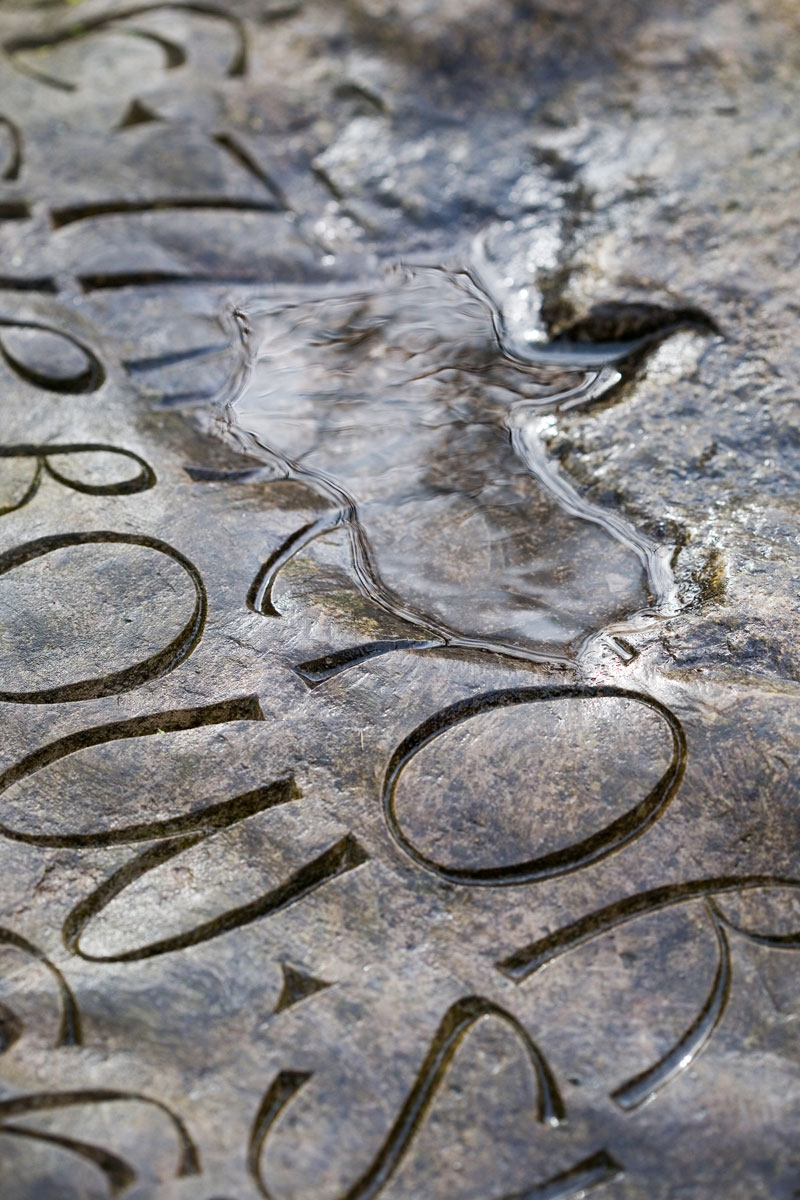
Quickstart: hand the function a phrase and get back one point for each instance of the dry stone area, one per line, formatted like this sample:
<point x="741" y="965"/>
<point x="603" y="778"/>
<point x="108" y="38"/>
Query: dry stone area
<point x="398" y="600"/>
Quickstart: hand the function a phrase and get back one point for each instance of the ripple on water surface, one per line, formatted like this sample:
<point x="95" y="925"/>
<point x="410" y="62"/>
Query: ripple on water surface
<point x="397" y="405"/>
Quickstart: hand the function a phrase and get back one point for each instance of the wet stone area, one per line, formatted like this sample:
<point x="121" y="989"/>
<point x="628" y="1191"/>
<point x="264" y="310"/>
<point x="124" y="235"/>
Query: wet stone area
<point x="398" y="600"/>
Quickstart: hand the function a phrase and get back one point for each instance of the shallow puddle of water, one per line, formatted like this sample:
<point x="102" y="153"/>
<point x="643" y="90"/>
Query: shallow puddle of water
<point x="404" y="408"/>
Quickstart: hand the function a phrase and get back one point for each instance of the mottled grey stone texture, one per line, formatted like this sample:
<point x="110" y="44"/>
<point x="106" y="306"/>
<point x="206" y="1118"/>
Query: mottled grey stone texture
<point x="445" y="845"/>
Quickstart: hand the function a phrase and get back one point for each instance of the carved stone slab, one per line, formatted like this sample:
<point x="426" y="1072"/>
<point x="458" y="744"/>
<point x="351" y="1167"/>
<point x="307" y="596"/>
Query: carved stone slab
<point x="398" y="597"/>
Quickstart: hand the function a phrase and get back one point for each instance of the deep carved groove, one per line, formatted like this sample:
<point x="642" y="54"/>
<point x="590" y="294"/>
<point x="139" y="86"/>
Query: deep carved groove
<point x="87" y="380"/>
<point x="17" y="45"/>
<point x="137" y="113"/>
<point x="29" y="493"/>
<point x="14" y="210"/>
<point x="643" y="1087"/>
<point x="244" y="708"/>
<point x="160" y="663"/>
<point x="612" y="837"/>
<point x="137" y="366"/>
<point x="11" y="1028"/>
<point x="526" y="961"/>
<point x="174" y="55"/>
<point x="70" y="214"/>
<point x="239" y="152"/>
<point x="615" y="322"/>
<point x="41" y="283"/>
<point x="118" y="1172"/>
<point x="69" y="1030"/>
<point x="338" y="859"/>
<point x="108" y="280"/>
<point x="455" y="1025"/>
<point x="259" y="597"/>
<point x="297" y="986"/>
<point x="14" y="167"/>
<point x="141" y="482"/>
<point x="18" y="1106"/>
<point x="318" y="670"/>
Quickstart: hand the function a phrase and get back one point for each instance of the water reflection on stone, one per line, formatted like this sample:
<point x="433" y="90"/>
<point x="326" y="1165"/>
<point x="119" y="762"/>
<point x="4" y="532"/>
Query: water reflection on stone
<point x="395" y="405"/>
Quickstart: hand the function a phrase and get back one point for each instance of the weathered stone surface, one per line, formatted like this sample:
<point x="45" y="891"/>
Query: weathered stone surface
<point x="398" y="586"/>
